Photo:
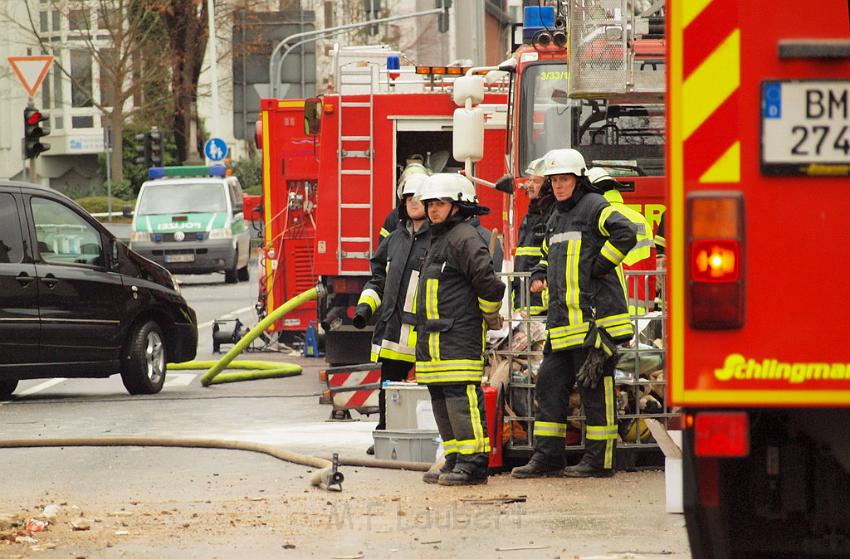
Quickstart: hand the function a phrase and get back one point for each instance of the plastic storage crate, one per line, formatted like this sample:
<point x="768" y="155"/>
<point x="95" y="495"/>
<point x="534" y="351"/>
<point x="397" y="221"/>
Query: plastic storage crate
<point x="407" y="445"/>
<point x="406" y="403"/>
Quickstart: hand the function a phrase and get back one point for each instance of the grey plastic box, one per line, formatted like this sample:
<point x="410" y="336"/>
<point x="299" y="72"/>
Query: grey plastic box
<point x="407" y="445"/>
<point x="402" y="401"/>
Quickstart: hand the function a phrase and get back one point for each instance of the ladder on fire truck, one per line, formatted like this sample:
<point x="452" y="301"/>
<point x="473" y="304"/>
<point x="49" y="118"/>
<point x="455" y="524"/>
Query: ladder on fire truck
<point x="355" y="142"/>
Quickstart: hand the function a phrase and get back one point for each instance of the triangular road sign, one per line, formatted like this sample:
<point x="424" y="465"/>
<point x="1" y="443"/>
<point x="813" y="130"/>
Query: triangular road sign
<point x="31" y="70"/>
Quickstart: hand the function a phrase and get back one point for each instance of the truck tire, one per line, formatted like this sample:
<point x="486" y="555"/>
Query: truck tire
<point x="6" y="388"/>
<point x="242" y="274"/>
<point x="143" y="369"/>
<point x="347" y="348"/>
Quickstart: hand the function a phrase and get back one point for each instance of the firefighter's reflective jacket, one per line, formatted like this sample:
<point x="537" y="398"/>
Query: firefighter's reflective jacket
<point x="645" y="243"/>
<point x="392" y="291"/>
<point x="457" y="286"/>
<point x="528" y="250"/>
<point x="390" y="224"/>
<point x="586" y="241"/>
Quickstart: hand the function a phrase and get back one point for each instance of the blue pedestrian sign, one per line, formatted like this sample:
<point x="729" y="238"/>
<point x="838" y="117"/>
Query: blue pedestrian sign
<point x="215" y="149"/>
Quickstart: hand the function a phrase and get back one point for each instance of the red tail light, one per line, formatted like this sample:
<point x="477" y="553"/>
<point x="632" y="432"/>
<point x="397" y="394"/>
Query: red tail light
<point x="258" y="134"/>
<point x="722" y="434"/>
<point x="716" y="280"/>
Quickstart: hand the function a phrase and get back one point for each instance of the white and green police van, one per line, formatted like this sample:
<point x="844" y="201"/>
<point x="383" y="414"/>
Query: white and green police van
<point x="189" y="219"/>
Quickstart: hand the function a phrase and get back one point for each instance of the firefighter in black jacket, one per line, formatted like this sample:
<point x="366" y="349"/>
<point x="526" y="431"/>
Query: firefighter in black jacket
<point x="586" y="240"/>
<point x="458" y="299"/>
<point x="391" y="290"/>
<point x="531" y="233"/>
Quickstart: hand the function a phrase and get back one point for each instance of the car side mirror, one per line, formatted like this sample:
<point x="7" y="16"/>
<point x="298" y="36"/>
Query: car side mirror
<point x="115" y="260"/>
<point x="313" y="116"/>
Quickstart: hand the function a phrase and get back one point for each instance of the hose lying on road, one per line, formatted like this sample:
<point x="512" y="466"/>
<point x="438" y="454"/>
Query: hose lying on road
<point x="323" y="477"/>
<point x="256" y="370"/>
<point x="253" y="333"/>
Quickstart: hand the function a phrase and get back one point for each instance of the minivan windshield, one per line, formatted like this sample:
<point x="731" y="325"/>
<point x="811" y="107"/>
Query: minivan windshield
<point x="182" y="199"/>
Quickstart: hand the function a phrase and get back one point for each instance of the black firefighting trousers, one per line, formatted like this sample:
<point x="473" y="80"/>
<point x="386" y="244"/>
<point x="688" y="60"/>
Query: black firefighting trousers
<point x="459" y="411"/>
<point x="555" y="380"/>
<point x="394" y="371"/>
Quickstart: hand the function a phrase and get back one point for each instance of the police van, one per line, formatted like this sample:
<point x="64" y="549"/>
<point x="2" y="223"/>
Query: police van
<point x="190" y="220"/>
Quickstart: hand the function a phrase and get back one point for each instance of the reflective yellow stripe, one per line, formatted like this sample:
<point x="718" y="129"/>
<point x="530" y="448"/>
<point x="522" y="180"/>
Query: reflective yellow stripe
<point x="423" y="377"/>
<point x="563" y="330"/>
<point x="384" y="233"/>
<point x="622" y="279"/>
<point x="610" y="252"/>
<point x="474" y="446"/>
<point x="609" y="419"/>
<point x="619" y="331"/>
<point x="432" y="313"/>
<point x="450" y="365"/>
<point x="371" y="298"/>
<point x="660" y="241"/>
<point x="488" y="307"/>
<point x="601" y="433"/>
<point x="550" y="429"/>
<point x="449" y="447"/>
<point x="529" y="251"/>
<point x="390" y="354"/>
<point x="572" y="291"/>
<point x="613" y="320"/>
<point x="481" y="442"/>
<point x="603" y="217"/>
<point x="543" y="262"/>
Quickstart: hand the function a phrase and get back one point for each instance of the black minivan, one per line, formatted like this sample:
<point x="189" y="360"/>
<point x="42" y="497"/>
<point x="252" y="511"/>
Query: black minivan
<point x="76" y="302"/>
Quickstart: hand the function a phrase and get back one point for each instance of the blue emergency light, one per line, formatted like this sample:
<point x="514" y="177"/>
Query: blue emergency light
<point x="537" y="18"/>
<point x="217" y="170"/>
<point x="393" y="66"/>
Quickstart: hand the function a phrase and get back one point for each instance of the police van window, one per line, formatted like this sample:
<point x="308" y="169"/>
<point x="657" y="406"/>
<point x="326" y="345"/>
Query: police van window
<point x="63" y="236"/>
<point x="158" y="199"/>
<point x="11" y="241"/>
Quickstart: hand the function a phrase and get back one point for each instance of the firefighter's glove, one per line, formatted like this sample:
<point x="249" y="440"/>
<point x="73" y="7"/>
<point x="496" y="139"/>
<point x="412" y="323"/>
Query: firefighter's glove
<point x="493" y="320"/>
<point x="601" y="352"/>
<point x="362" y="313"/>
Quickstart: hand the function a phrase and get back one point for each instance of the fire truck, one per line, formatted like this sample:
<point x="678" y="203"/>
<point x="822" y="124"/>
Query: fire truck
<point x="290" y="176"/>
<point x="358" y="140"/>
<point x="759" y="160"/>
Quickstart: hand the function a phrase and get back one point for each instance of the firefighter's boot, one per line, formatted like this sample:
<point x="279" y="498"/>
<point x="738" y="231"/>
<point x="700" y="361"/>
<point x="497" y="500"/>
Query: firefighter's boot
<point x="584" y="469"/>
<point x="433" y="476"/>
<point x="535" y="469"/>
<point x="463" y="477"/>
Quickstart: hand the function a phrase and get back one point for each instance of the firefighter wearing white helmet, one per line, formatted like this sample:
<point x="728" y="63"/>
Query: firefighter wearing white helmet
<point x="389" y="294"/>
<point x="458" y="298"/>
<point x="641" y="257"/>
<point x="585" y="242"/>
<point x="415" y="171"/>
<point x="530" y="240"/>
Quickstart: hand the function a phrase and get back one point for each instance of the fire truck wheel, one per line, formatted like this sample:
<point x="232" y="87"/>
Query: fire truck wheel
<point x="242" y="274"/>
<point x="6" y="388"/>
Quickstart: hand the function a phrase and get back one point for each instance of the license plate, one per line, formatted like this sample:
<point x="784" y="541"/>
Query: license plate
<point x="179" y="257"/>
<point x="805" y="128"/>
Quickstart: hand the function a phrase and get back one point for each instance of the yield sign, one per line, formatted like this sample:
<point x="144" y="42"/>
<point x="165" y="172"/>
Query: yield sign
<point x="31" y="70"/>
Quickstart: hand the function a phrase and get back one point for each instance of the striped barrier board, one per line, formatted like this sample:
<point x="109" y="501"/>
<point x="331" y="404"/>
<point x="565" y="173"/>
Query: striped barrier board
<point x="353" y="387"/>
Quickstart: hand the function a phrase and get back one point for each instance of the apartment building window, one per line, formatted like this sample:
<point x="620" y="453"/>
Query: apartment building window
<point x="107" y="63"/>
<point x="81" y="87"/>
<point x="78" y="19"/>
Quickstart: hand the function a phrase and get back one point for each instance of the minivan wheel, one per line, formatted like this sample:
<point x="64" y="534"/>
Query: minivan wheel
<point x="242" y="274"/>
<point x="6" y="388"/>
<point x="143" y="370"/>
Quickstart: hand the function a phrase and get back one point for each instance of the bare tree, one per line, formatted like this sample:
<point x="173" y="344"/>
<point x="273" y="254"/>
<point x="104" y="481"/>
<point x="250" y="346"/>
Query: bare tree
<point x="123" y="39"/>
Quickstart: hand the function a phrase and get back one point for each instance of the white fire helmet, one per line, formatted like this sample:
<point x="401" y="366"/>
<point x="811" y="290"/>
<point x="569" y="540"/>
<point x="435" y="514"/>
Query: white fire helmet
<point x="411" y="185"/>
<point x="535" y="168"/>
<point x="413" y="169"/>
<point x="448" y="186"/>
<point x="564" y="162"/>
<point x="600" y="178"/>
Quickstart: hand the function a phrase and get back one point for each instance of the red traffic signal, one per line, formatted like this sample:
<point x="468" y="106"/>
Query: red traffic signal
<point x="33" y="132"/>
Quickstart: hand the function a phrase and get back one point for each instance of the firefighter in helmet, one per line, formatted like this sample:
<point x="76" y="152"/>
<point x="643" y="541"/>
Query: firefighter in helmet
<point x="531" y="232"/>
<point x="414" y="165"/>
<point x="586" y="240"/>
<point x="390" y="292"/>
<point x="458" y="299"/>
<point x="641" y="287"/>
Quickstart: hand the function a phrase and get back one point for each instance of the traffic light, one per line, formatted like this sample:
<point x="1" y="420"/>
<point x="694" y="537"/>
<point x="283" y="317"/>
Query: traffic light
<point x="157" y="148"/>
<point x="33" y="132"/>
<point x="143" y="149"/>
<point x="443" y="18"/>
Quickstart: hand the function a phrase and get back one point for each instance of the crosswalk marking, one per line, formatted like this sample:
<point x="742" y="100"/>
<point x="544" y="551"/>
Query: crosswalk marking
<point x="41" y="386"/>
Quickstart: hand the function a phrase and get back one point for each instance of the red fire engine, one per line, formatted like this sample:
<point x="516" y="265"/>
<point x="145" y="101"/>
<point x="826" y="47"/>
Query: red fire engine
<point x="290" y="173"/>
<point x="359" y="138"/>
<point x="759" y="158"/>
